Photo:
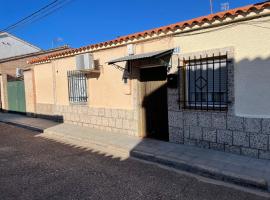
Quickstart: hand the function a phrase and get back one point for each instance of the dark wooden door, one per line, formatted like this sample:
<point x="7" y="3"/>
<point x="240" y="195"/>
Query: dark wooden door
<point x="154" y="102"/>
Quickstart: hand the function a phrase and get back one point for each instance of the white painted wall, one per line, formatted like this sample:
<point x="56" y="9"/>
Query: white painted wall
<point x="11" y="46"/>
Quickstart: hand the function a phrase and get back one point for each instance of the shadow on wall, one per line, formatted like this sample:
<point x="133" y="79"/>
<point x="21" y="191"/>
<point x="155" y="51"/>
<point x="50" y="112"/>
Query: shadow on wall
<point x="153" y="84"/>
<point x="79" y="158"/>
<point x="95" y="75"/>
<point x="246" y="123"/>
<point x="98" y="69"/>
<point x="56" y="118"/>
<point x="156" y="112"/>
<point x="249" y="81"/>
<point x="252" y="83"/>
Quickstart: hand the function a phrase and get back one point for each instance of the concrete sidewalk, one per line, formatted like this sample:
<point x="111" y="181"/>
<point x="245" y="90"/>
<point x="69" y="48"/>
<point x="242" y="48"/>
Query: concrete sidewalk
<point x="24" y="121"/>
<point x="223" y="166"/>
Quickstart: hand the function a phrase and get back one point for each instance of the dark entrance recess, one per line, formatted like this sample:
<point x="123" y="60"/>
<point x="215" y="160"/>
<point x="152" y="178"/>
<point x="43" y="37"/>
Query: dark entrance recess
<point x="154" y="102"/>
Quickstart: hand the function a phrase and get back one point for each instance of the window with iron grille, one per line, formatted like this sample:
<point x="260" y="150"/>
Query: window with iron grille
<point x="77" y="87"/>
<point x="205" y="83"/>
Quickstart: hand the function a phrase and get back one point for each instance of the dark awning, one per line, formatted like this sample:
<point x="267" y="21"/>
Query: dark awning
<point x="156" y="54"/>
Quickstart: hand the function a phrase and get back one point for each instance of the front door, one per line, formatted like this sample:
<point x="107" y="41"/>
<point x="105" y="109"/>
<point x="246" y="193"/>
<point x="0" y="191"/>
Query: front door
<point x="16" y="96"/>
<point x="154" y="105"/>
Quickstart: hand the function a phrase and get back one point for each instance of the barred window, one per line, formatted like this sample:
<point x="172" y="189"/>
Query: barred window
<point x="77" y="87"/>
<point x="205" y="83"/>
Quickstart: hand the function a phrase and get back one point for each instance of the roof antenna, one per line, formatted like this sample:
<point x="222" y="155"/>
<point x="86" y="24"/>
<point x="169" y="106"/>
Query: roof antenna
<point x="56" y="41"/>
<point x="225" y="6"/>
<point x="211" y="6"/>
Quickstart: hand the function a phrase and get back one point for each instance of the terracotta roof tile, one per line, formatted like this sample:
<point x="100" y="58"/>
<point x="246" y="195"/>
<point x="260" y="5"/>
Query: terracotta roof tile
<point x="171" y="27"/>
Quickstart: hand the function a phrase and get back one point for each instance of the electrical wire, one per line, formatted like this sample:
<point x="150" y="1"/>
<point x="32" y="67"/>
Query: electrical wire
<point x="44" y="14"/>
<point x="29" y="16"/>
<point x="37" y="15"/>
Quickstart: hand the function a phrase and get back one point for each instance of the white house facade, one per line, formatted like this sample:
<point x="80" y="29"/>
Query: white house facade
<point x="11" y="46"/>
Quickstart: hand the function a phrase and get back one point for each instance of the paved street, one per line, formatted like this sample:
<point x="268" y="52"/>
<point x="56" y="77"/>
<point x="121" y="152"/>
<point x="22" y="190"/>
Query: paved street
<point x="36" y="168"/>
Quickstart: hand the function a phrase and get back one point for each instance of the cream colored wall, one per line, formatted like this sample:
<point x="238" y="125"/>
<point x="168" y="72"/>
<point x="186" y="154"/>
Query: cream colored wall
<point x="44" y="83"/>
<point x="4" y="99"/>
<point x="155" y="45"/>
<point x="29" y="91"/>
<point x="108" y="89"/>
<point x="249" y="41"/>
<point x="60" y="68"/>
<point x="2" y="93"/>
<point x="51" y="81"/>
<point x="251" y="45"/>
<point x="252" y="61"/>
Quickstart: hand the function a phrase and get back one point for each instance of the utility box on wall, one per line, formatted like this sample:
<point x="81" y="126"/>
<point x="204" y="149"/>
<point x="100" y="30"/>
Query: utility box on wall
<point x="172" y="81"/>
<point x="130" y="49"/>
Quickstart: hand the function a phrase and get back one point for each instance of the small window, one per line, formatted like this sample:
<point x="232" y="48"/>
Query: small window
<point x="77" y="87"/>
<point x="205" y="83"/>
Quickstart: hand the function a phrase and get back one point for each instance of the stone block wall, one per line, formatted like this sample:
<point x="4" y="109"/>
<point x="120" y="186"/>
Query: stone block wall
<point x="113" y="120"/>
<point x="218" y="130"/>
<point x="221" y="131"/>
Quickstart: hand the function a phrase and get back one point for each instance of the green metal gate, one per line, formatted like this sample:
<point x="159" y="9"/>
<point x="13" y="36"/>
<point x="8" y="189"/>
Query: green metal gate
<point x="16" y="96"/>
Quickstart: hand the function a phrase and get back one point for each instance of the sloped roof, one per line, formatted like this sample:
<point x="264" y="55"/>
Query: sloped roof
<point x="5" y="34"/>
<point x="40" y="53"/>
<point x="171" y="27"/>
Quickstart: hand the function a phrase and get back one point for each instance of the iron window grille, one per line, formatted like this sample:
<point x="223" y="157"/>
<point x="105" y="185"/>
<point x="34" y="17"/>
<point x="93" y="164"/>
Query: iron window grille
<point x="205" y="82"/>
<point x="77" y="87"/>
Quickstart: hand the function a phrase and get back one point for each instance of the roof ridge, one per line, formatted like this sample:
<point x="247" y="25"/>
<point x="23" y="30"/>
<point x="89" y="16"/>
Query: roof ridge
<point x="182" y="24"/>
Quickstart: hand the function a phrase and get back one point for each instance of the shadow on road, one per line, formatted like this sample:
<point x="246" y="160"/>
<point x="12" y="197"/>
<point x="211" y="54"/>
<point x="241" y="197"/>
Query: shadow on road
<point x="37" y="168"/>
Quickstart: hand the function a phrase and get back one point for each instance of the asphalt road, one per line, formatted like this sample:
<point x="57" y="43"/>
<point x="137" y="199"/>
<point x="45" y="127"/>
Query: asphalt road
<point x="37" y="168"/>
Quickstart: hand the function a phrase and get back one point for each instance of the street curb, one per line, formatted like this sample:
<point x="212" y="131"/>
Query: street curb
<point x="26" y="126"/>
<point x="195" y="168"/>
<point x="109" y="149"/>
<point x="242" y="180"/>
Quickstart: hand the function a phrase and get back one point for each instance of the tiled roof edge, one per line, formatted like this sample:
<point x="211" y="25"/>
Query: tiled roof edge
<point x="171" y="27"/>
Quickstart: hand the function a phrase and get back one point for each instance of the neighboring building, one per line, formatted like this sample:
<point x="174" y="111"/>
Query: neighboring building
<point x="12" y="81"/>
<point x="12" y="46"/>
<point x="216" y="95"/>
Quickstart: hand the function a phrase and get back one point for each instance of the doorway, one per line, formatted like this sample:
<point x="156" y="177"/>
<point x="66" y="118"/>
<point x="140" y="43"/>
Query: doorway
<point x="16" y="96"/>
<point x="154" y="106"/>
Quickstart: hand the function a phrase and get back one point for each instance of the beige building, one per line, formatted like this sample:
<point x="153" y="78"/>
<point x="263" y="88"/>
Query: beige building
<point x="202" y="82"/>
<point x="11" y="78"/>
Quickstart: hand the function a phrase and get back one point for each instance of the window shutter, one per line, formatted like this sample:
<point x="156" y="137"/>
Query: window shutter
<point x="218" y="79"/>
<point x="206" y="81"/>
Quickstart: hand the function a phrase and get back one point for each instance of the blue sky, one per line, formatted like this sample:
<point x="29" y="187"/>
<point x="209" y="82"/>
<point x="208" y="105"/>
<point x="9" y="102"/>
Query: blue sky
<point x="83" y="22"/>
